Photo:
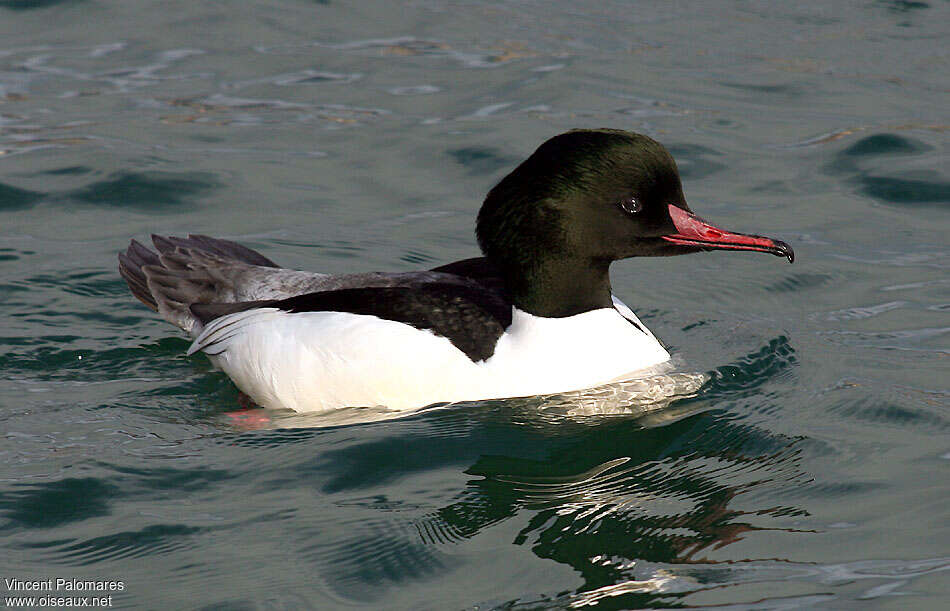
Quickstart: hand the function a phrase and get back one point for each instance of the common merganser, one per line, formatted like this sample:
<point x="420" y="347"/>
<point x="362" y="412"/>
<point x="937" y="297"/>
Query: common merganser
<point x="534" y="315"/>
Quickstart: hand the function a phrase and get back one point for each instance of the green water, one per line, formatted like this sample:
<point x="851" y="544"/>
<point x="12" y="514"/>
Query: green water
<point x="810" y="471"/>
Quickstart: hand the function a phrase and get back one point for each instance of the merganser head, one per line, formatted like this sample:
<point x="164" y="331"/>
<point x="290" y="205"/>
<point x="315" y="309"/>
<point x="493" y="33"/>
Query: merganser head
<point x="599" y="195"/>
<point x="584" y="199"/>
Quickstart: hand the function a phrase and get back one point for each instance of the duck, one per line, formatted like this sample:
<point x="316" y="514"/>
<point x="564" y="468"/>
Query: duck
<point x="534" y="315"/>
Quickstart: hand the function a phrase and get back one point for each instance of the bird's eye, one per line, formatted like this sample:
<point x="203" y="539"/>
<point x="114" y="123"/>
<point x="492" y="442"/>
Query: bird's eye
<point x="630" y="205"/>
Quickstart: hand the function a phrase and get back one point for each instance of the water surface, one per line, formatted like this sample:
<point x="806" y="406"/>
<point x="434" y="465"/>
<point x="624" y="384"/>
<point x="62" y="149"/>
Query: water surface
<point x="809" y="471"/>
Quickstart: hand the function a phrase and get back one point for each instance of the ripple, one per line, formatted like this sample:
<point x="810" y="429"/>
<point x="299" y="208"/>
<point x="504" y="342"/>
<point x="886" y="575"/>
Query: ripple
<point x="749" y="373"/>
<point x="26" y="5"/>
<point x="14" y="198"/>
<point x="69" y="358"/>
<point x="874" y="411"/>
<point x="218" y="102"/>
<point x="693" y="161"/>
<point x="73" y="170"/>
<point x="613" y="498"/>
<point x="897" y="407"/>
<point x="84" y="282"/>
<point x="784" y="90"/>
<point x="277" y="438"/>
<point x="800" y="281"/>
<point x="157" y="539"/>
<point x="415" y="90"/>
<point x="56" y="503"/>
<point x="417" y="257"/>
<point x="904" y="6"/>
<point x="58" y="61"/>
<point x="303" y="77"/>
<point x="906" y="339"/>
<point x="411" y="46"/>
<point x="375" y="552"/>
<point x="348" y="115"/>
<point x="636" y="496"/>
<point x="658" y="579"/>
<point x="885" y="144"/>
<point x="916" y="285"/>
<point x="156" y="481"/>
<point x="864" y="312"/>
<point x="904" y="190"/>
<point x="481" y="160"/>
<point x="908" y="258"/>
<point x="153" y="191"/>
<point x="915" y="189"/>
<point x="402" y="45"/>
<point x="10" y="254"/>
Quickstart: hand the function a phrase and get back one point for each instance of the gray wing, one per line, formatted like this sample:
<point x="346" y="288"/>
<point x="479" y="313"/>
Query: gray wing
<point x="201" y="270"/>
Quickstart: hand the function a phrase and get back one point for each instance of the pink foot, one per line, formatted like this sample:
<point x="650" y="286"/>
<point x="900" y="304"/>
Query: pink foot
<point x="249" y="417"/>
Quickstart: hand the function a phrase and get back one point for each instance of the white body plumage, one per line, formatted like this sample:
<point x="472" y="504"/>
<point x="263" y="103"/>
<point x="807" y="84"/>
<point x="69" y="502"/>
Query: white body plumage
<point x="318" y="361"/>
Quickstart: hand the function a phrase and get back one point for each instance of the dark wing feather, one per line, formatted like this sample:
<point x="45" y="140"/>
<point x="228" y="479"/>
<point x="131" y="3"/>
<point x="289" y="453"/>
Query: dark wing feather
<point x="468" y="314"/>
<point x="223" y="248"/>
<point x="190" y="270"/>
<point x="479" y="269"/>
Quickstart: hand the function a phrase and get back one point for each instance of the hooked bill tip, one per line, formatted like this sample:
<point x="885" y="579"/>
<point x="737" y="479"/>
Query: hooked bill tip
<point x="784" y="250"/>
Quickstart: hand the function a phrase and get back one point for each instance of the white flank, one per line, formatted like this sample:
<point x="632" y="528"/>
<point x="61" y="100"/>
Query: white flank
<point x="318" y="361"/>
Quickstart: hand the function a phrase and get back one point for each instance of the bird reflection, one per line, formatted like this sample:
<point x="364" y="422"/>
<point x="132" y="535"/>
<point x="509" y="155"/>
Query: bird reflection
<point x="667" y="498"/>
<point x="627" y="500"/>
<point x="623" y="494"/>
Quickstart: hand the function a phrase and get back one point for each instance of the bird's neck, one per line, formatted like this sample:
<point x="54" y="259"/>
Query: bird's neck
<point x="556" y="288"/>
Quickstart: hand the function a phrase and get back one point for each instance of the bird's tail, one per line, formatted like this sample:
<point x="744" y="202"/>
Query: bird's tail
<point x="186" y="271"/>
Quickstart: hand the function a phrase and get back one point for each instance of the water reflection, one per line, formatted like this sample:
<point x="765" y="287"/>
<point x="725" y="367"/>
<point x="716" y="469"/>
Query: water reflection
<point x="623" y="494"/>
<point x="606" y="495"/>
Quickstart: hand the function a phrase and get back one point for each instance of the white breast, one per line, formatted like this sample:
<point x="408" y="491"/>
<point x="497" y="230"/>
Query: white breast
<point x="317" y="361"/>
<point x="547" y="355"/>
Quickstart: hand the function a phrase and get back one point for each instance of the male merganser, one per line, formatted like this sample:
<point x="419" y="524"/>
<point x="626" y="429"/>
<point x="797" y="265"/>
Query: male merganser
<point x="534" y="316"/>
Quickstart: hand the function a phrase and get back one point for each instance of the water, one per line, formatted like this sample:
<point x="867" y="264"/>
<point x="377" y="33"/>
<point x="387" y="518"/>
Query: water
<point x="809" y="471"/>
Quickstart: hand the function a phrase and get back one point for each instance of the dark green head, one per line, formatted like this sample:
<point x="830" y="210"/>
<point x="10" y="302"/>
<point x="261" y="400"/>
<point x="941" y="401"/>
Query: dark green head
<point x="595" y="194"/>
<point x="586" y="198"/>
